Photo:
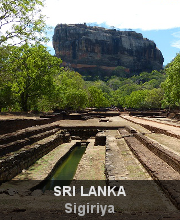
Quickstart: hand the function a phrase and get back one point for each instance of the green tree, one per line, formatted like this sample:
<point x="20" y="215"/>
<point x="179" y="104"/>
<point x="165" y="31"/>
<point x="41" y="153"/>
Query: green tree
<point x="121" y="71"/>
<point x="97" y="98"/>
<point x="21" y="20"/>
<point x="31" y="70"/>
<point x="137" y="99"/>
<point x="171" y="85"/>
<point x="6" y="97"/>
<point x="70" y="91"/>
<point x="118" y="99"/>
<point x="155" y="78"/>
<point x="150" y="84"/>
<point x="154" y="98"/>
<point x="5" y="89"/>
<point x="76" y="99"/>
<point x="114" y="83"/>
<point x="125" y="88"/>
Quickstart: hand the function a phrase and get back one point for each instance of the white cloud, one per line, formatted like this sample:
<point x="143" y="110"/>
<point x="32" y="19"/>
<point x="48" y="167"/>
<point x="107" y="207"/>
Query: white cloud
<point x="143" y="14"/>
<point x="176" y="43"/>
<point x="176" y="34"/>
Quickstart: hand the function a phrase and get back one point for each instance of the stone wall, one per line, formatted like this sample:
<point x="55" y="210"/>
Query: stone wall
<point x="11" y="125"/>
<point x="11" y="166"/>
<point x="168" y="156"/>
<point x="83" y="133"/>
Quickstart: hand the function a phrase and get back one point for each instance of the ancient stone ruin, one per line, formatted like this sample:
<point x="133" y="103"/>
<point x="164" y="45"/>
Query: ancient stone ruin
<point x="117" y="148"/>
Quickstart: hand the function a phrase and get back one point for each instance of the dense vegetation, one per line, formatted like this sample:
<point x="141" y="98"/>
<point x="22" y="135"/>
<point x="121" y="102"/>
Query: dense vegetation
<point x="31" y="79"/>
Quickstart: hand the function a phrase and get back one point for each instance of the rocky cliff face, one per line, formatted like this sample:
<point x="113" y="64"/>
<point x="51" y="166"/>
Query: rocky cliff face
<point x="90" y="49"/>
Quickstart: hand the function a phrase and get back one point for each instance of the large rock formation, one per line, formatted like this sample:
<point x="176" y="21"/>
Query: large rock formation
<point x="93" y="49"/>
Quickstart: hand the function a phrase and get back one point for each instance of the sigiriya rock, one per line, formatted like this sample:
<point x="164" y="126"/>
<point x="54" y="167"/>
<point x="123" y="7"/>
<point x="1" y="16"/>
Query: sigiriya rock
<point x="90" y="49"/>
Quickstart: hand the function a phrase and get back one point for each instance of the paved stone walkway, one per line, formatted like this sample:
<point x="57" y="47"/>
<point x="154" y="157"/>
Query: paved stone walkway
<point x="167" y="127"/>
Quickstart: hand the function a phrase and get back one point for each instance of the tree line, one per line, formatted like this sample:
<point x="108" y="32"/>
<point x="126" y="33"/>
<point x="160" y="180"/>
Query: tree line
<point x="31" y="79"/>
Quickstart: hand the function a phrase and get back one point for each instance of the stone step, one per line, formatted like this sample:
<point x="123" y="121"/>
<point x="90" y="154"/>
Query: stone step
<point x="162" y="172"/>
<point x="18" y="144"/>
<point x="168" y="156"/>
<point x="15" y="124"/>
<point x="13" y="163"/>
<point x="26" y="133"/>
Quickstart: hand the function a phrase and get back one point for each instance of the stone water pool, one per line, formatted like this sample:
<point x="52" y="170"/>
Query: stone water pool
<point x="65" y="169"/>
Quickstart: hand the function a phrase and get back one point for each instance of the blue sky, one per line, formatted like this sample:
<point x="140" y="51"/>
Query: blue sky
<point x="165" y="40"/>
<point x="157" y="20"/>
